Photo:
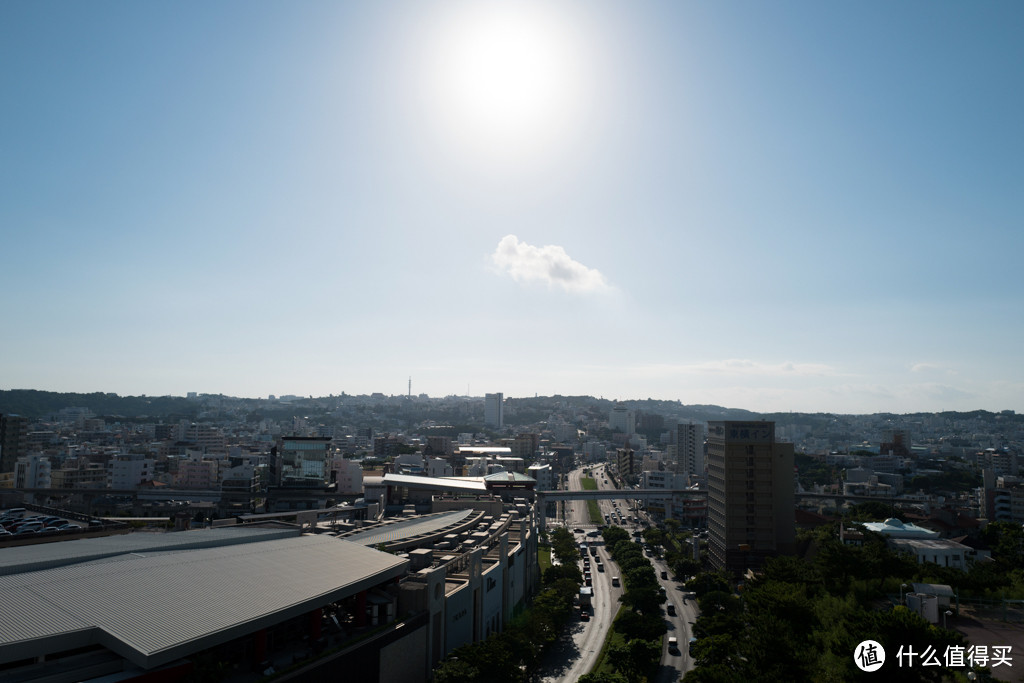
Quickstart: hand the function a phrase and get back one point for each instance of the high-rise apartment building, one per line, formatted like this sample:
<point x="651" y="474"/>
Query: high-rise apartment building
<point x="750" y="495"/>
<point x="689" y="449"/>
<point x="622" y="419"/>
<point x="13" y="440"/>
<point x="494" y="410"/>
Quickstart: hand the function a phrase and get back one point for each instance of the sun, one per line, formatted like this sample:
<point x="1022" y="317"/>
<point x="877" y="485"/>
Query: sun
<point x="504" y="80"/>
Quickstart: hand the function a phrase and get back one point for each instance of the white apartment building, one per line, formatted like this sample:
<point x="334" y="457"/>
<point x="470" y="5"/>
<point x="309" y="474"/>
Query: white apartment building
<point x="348" y="475"/>
<point x="438" y="467"/>
<point x="32" y="472"/>
<point x="544" y="476"/>
<point x="690" y="449"/>
<point x="621" y="418"/>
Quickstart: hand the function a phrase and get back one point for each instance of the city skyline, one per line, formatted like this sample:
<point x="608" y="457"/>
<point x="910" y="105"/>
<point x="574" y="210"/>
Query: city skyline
<point x="802" y="208"/>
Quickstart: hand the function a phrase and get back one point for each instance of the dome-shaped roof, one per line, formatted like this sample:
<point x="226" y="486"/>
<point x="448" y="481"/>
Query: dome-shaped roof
<point x="892" y="521"/>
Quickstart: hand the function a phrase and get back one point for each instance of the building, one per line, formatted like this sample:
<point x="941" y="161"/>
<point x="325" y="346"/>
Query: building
<point x="303" y="461"/>
<point x="233" y="602"/>
<point x="32" y="472"/>
<point x="661" y="479"/>
<point x="196" y="473"/>
<point x="622" y="419"/>
<point x="625" y="463"/>
<point x="494" y="410"/>
<point x="750" y="495"/>
<point x="128" y="471"/>
<point x="689" y="449"/>
<point x="13" y="440"/>
<point x="544" y="476"/>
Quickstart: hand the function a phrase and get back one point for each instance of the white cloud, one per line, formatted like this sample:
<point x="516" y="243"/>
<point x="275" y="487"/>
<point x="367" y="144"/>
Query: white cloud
<point x="548" y="264"/>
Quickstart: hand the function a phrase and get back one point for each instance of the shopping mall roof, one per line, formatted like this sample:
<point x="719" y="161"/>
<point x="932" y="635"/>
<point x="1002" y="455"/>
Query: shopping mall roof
<point x="49" y="555"/>
<point x="407" y="528"/>
<point x="155" y="608"/>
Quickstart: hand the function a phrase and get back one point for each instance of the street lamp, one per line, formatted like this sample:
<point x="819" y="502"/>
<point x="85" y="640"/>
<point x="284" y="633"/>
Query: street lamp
<point x="945" y="614"/>
<point x="902" y="586"/>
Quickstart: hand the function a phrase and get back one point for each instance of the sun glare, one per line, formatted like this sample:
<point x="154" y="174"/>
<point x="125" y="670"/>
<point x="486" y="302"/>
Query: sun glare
<point x="504" y="80"/>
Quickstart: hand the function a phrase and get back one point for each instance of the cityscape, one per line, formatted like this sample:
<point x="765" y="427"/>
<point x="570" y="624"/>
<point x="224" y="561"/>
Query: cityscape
<point x="441" y="527"/>
<point x="511" y="341"/>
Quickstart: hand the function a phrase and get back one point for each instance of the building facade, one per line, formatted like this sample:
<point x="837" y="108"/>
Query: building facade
<point x="689" y="449"/>
<point x="494" y="410"/>
<point x="13" y="440"/>
<point x="750" y="495"/>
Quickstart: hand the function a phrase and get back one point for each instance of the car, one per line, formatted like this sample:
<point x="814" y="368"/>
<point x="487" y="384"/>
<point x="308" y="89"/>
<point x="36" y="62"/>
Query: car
<point x="673" y="644"/>
<point x="584" y="615"/>
<point x="664" y="574"/>
<point x="671" y="609"/>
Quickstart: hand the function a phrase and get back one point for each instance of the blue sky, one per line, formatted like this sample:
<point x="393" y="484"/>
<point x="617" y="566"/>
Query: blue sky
<point x="787" y="206"/>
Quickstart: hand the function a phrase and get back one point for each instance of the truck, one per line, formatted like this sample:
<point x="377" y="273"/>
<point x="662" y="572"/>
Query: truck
<point x="586" y="597"/>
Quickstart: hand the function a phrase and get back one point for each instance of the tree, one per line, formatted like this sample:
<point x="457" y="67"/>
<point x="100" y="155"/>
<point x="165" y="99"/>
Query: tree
<point x="654" y="536"/>
<point x="708" y="581"/>
<point x="634" y="658"/>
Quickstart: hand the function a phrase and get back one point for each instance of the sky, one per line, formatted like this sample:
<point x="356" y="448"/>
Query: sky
<point x="796" y="206"/>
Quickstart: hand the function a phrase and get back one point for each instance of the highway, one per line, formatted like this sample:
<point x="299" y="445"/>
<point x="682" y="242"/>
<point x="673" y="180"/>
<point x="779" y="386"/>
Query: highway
<point x="578" y="653"/>
<point x="673" y="664"/>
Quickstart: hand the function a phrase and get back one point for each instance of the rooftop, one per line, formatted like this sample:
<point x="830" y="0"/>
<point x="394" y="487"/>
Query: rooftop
<point x="160" y="606"/>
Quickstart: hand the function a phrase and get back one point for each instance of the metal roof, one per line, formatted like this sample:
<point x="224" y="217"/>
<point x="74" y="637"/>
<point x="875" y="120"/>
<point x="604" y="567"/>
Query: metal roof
<point x="48" y="555"/>
<point x="397" y="531"/>
<point x="155" y="609"/>
<point x="475" y="485"/>
<point x="509" y="477"/>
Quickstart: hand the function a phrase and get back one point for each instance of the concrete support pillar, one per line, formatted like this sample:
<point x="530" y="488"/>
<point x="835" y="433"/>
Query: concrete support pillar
<point x="315" y="618"/>
<point x="259" y="646"/>
<point x="361" y="608"/>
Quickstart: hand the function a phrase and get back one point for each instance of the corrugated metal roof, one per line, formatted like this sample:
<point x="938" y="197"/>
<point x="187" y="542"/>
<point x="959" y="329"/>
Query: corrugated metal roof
<point x="397" y="531"/>
<point x="49" y="555"/>
<point x="441" y="483"/>
<point x="153" y="610"/>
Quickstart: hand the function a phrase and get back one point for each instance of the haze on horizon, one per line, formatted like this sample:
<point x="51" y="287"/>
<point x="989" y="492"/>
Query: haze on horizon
<point x="805" y="207"/>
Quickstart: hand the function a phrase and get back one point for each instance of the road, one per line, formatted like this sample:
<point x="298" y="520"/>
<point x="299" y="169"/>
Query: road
<point x="578" y="654"/>
<point x="673" y="664"/>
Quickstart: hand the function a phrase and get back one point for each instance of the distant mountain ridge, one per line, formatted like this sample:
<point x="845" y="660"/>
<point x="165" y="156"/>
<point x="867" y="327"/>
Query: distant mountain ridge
<point x="35" y="404"/>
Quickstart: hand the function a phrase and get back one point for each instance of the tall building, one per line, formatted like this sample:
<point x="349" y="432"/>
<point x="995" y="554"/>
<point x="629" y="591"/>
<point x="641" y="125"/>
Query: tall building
<point x="13" y="440"/>
<point x="622" y="419"/>
<point x="494" y="410"/>
<point x="750" y="495"/>
<point x="689" y="449"/>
